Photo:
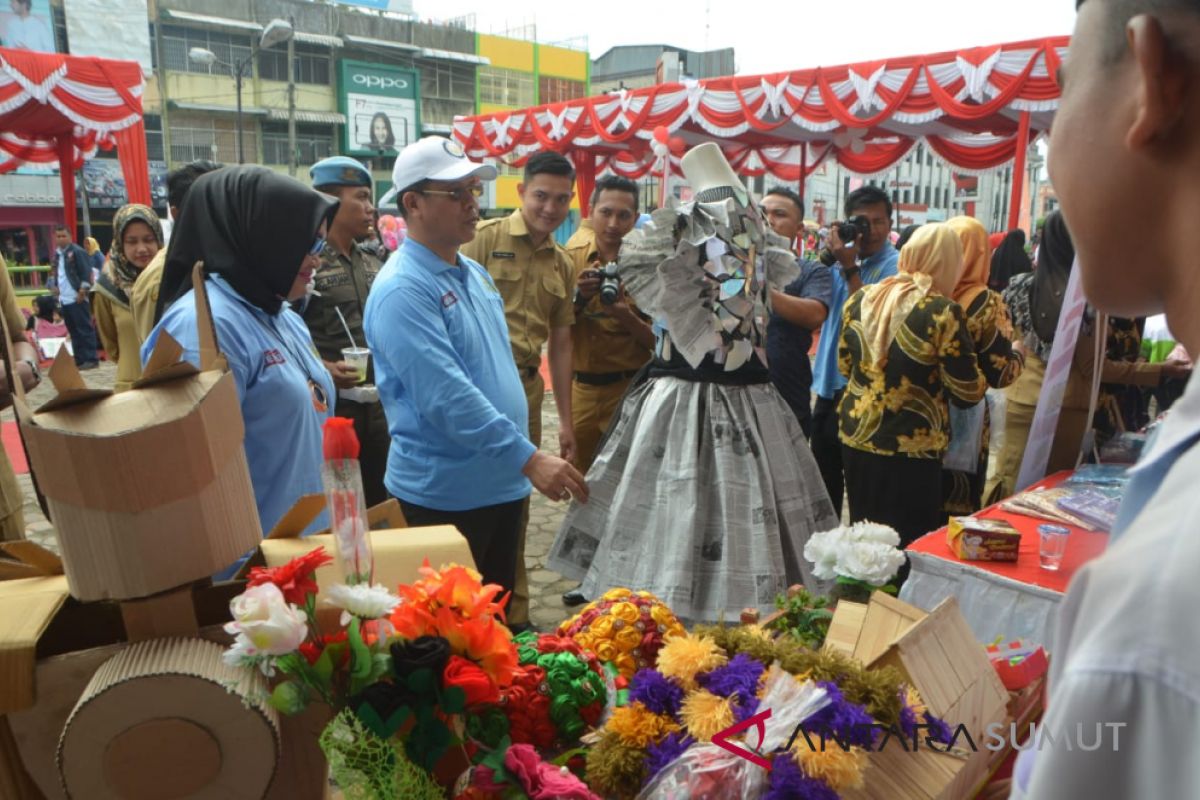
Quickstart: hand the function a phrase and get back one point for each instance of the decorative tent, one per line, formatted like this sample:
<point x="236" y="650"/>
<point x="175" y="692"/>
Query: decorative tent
<point x="57" y="109"/>
<point x="977" y="109"/>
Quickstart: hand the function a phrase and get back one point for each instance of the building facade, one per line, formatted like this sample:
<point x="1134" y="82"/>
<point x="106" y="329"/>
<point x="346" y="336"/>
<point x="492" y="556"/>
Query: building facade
<point x="638" y="66"/>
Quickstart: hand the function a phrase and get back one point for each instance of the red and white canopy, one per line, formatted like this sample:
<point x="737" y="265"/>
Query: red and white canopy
<point x="57" y="109"/>
<point x="974" y="107"/>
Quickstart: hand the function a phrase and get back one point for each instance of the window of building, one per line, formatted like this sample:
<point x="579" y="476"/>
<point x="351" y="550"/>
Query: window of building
<point x="313" y="142"/>
<point x="907" y="196"/>
<point x="927" y="195"/>
<point x="311" y="65"/>
<point x="505" y="87"/>
<point x="177" y="42"/>
<point x="60" y="28"/>
<point x="154" y="138"/>
<point x="558" y="90"/>
<point x="446" y="80"/>
<point x="194" y="137"/>
<point x="945" y="197"/>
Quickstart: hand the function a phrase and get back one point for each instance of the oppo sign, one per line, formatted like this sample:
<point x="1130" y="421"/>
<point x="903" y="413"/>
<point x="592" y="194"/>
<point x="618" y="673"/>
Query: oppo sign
<point x="378" y="82"/>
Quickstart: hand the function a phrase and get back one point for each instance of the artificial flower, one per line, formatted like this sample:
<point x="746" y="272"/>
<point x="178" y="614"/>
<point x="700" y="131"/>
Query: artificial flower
<point x="822" y="550"/>
<point x="475" y="683"/>
<point x="661" y="753"/>
<point x="871" y="562"/>
<point x="684" y="657"/>
<point x="840" y="769"/>
<point x="739" y="678"/>
<point x="938" y="730"/>
<point x="639" y="726"/>
<point x="653" y="690"/>
<point x="867" y="531"/>
<point x="264" y="622"/>
<point x="542" y="781"/>
<point x="705" y="714"/>
<point x="424" y="652"/>
<point x="788" y="782"/>
<point x="841" y="721"/>
<point x="311" y="650"/>
<point x="295" y="578"/>
<point x="365" y="601"/>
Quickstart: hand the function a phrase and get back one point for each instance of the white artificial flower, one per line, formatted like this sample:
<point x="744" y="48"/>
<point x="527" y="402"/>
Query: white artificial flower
<point x="871" y="562"/>
<point x="362" y="600"/>
<point x="269" y="624"/>
<point x="243" y="653"/>
<point x="822" y="550"/>
<point x="873" y="532"/>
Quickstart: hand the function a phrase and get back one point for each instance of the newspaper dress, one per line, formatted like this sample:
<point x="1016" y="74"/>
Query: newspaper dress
<point x="704" y="491"/>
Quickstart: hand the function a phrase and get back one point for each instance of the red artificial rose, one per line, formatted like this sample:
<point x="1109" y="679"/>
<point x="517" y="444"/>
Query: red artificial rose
<point x="295" y="578"/>
<point x="312" y="650"/>
<point x="468" y="676"/>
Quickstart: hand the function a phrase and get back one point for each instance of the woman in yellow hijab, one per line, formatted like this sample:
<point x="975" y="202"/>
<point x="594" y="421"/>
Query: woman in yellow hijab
<point x="991" y="331"/>
<point x="907" y="354"/>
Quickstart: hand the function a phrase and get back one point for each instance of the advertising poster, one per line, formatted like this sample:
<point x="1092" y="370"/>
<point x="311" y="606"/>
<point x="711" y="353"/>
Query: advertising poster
<point x="966" y="187"/>
<point x="27" y="25"/>
<point x="380" y="104"/>
<point x="109" y="29"/>
<point x="105" y="183"/>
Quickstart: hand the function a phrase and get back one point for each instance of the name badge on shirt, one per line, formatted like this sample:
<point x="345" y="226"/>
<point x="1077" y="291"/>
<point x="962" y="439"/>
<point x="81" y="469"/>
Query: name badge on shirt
<point x="503" y="254"/>
<point x="449" y="299"/>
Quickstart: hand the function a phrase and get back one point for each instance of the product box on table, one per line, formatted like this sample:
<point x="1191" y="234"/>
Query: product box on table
<point x="975" y="539"/>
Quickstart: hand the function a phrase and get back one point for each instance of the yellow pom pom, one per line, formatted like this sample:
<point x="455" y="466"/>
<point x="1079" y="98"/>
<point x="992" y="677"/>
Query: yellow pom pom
<point x="685" y="657"/>
<point x="841" y="769"/>
<point x="912" y="698"/>
<point x="639" y="726"/>
<point x="706" y="714"/>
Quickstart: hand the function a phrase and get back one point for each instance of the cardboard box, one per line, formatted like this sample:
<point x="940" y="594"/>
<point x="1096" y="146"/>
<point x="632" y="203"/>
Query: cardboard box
<point x="938" y="655"/>
<point x="148" y="489"/>
<point x="974" y="539"/>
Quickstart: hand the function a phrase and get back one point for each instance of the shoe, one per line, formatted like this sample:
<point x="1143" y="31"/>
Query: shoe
<point x="574" y="598"/>
<point x="90" y="365"/>
<point x="522" y="627"/>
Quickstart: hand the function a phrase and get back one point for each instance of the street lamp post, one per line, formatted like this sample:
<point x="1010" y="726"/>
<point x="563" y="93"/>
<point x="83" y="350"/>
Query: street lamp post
<point x="277" y="30"/>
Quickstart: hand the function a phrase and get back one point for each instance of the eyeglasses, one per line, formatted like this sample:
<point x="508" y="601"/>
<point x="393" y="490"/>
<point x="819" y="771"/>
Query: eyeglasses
<point x="462" y="194"/>
<point x="317" y="247"/>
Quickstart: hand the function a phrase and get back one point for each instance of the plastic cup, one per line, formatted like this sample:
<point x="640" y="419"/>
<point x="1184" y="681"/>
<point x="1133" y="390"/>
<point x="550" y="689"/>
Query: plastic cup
<point x="357" y="357"/>
<point x="1052" y="546"/>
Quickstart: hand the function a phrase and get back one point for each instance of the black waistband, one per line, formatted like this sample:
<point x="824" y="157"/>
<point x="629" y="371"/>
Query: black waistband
<point x="604" y="378"/>
<point x="527" y="372"/>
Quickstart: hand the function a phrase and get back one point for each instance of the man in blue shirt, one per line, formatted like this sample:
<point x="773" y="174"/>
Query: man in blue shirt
<point x="868" y="259"/>
<point x="801" y="308"/>
<point x="455" y="405"/>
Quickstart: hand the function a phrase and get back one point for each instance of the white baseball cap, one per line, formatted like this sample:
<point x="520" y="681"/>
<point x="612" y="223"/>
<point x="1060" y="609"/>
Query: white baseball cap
<point x="433" y="158"/>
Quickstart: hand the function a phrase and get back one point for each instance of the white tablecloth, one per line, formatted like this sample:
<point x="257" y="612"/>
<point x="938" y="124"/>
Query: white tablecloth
<point x="992" y="605"/>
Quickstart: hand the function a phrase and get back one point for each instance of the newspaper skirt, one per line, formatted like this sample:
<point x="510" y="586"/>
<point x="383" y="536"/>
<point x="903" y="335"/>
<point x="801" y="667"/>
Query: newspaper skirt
<point x="704" y="494"/>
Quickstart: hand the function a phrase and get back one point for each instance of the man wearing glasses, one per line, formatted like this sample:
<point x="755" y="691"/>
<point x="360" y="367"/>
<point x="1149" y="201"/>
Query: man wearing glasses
<point x="536" y="278"/>
<point x="455" y="404"/>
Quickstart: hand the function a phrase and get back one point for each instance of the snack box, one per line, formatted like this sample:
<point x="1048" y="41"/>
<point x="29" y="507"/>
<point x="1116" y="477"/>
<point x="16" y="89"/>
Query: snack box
<point x="975" y="539"/>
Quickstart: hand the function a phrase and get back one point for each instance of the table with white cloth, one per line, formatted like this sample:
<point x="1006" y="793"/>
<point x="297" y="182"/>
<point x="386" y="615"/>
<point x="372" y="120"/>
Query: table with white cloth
<point x="1008" y="600"/>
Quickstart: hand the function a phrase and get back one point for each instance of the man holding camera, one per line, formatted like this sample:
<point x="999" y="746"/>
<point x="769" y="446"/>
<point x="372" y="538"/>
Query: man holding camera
<point x="859" y="253"/>
<point x="611" y="340"/>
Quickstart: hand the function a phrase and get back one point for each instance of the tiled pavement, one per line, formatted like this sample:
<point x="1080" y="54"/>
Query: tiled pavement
<point x="546" y="587"/>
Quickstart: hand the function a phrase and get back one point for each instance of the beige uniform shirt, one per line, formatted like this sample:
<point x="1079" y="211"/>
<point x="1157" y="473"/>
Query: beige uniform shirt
<point x="144" y="296"/>
<point x="600" y="343"/>
<point x="537" y="284"/>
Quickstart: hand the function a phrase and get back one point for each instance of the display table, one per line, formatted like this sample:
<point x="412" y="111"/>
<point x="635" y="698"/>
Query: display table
<point x="1012" y="600"/>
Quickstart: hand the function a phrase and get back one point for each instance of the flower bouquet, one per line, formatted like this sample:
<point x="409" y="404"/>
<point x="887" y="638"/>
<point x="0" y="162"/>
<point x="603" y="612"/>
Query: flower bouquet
<point x="860" y="558"/>
<point x="623" y="628"/>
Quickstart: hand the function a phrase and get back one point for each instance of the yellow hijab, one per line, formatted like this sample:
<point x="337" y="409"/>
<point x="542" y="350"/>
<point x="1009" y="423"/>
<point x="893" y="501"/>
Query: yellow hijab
<point x="977" y="262"/>
<point x="930" y="262"/>
<point x="92" y="246"/>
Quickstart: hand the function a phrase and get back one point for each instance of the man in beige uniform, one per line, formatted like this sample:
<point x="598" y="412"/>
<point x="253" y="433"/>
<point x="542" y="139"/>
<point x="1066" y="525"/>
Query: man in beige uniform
<point x="25" y="369"/>
<point x="535" y="278"/>
<point x="144" y="297"/>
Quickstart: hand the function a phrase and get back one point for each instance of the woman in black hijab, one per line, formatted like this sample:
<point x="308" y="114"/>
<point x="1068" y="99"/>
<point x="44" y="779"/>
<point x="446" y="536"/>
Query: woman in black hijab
<point x="1009" y="260"/>
<point x="259" y="235"/>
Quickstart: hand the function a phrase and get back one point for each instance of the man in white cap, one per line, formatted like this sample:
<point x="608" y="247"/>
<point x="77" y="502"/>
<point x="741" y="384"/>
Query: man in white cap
<point x="456" y="407"/>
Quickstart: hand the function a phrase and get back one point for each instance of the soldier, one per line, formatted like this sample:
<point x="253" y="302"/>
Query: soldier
<point x="341" y="283"/>
<point x="535" y="277"/>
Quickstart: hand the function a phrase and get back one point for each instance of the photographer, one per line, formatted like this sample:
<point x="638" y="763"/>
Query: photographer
<point x="611" y="340"/>
<point x="867" y="259"/>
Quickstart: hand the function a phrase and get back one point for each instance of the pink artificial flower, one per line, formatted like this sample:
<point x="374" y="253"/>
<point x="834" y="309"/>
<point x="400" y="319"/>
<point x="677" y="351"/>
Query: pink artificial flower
<point x="542" y="781"/>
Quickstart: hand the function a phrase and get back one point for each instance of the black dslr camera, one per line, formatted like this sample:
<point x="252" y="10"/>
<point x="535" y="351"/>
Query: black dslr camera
<point x="848" y="232"/>
<point x="610" y="284"/>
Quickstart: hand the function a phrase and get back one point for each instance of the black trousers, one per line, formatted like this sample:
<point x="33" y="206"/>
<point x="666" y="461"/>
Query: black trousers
<point x="904" y="493"/>
<point x="491" y="532"/>
<point x="78" y="317"/>
<point x="827" y="448"/>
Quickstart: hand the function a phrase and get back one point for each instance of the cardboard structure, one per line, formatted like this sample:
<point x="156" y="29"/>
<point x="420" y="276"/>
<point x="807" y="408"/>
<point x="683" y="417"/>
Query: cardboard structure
<point x="939" y="656"/>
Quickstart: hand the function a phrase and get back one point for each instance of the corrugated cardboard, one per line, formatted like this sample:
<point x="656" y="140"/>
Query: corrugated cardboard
<point x="169" y="718"/>
<point x="148" y="489"/>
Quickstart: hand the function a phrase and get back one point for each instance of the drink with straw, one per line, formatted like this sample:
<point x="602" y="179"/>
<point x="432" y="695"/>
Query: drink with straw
<point x="355" y="356"/>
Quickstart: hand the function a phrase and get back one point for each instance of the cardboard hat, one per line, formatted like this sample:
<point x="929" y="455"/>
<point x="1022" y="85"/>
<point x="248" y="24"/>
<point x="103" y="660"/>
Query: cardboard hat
<point x="710" y="175"/>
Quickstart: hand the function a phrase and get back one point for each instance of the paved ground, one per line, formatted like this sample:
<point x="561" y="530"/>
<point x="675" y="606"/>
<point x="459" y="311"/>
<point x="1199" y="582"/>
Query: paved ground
<point x="546" y="608"/>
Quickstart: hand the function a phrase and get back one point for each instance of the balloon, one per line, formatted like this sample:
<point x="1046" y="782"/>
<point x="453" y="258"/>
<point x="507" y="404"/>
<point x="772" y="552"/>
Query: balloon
<point x="660" y="150"/>
<point x="677" y="145"/>
<point x="661" y="134"/>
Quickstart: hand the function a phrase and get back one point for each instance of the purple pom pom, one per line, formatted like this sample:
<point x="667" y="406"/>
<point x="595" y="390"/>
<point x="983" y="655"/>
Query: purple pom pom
<point x="656" y="692"/>
<point x="847" y="723"/>
<point x="788" y="782"/>
<point x="738" y="677"/>
<point x="661" y="754"/>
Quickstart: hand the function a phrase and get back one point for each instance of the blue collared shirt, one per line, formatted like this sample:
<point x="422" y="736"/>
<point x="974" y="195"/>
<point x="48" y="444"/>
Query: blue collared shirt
<point x="827" y="380"/>
<point x="455" y="404"/>
<point x="272" y="360"/>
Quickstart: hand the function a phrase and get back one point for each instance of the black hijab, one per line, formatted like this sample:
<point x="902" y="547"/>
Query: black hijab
<point x="1008" y="261"/>
<point x="249" y="225"/>
<point x="1055" y="256"/>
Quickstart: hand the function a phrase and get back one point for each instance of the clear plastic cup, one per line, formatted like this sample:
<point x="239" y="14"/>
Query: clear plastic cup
<point x="357" y="357"/>
<point x="1052" y="545"/>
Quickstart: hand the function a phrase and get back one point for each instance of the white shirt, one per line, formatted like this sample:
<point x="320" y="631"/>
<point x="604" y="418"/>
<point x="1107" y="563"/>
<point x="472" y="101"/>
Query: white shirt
<point x="1127" y="647"/>
<point x="66" y="295"/>
<point x="29" y="33"/>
